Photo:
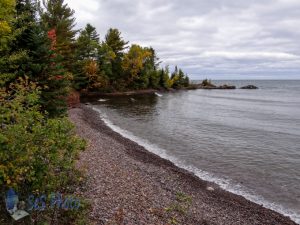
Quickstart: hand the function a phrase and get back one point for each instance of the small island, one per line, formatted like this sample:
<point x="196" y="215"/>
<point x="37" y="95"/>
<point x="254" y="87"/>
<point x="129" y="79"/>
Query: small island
<point x="249" y="87"/>
<point x="207" y="84"/>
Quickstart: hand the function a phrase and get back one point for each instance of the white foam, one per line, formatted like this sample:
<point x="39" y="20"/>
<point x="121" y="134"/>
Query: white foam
<point x="102" y="100"/>
<point x="225" y="184"/>
<point x="157" y="94"/>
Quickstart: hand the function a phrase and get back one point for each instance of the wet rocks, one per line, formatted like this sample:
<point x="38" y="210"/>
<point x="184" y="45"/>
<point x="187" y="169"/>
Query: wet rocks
<point x="249" y="87"/>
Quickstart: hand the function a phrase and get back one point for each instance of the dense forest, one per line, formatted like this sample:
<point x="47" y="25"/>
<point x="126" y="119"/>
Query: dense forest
<point x="42" y="59"/>
<point x="39" y="41"/>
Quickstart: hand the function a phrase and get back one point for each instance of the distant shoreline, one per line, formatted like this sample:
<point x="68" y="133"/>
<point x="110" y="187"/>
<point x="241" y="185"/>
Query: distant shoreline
<point x="195" y="86"/>
<point x="122" y="174"/>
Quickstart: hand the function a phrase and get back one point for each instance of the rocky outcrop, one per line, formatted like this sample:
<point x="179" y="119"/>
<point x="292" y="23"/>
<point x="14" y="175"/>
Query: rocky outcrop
<point x="207" y="84"/>
<point x="225" y="86"/>
<point x="249" y="87"/>
<point x="212" y="86"/>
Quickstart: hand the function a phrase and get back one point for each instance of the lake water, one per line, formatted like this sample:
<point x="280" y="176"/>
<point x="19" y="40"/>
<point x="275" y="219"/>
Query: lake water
<point x="247" y="141"/>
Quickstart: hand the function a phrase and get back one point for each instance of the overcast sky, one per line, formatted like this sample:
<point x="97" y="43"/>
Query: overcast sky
<point x="217" y="39"/>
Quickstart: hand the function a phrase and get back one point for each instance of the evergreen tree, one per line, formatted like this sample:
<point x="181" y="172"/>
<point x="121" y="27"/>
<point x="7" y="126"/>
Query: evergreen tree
<point x="55" y="81"/>
<point x="25" y="19"/>
<point x="179" y="79"/>
<point x="87" y="43"/>
<point x="114" y="40"/>
<point x="58" y="21"/>
<point x="58" y="16"/>
<point x="32" y="40"/>
<point x="92" y="33"/>
<point x="150" y="70"/>
<point x="175" y="73"/>
<point x="186" y="81"/>
<point x="154" y="79"/>
<point x="153" y="60"/>
<point x="87" y="46"/>
<point x="165" y="81"/>
<point x="106" y="57"/>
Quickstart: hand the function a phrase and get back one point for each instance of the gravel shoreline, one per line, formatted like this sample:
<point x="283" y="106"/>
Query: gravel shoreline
<point x="126" y="184"/>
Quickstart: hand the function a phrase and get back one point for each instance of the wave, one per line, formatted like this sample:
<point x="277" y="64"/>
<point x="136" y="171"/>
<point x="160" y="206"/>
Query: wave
<point x="225" y="184"/>
<point x="157" y="94"/>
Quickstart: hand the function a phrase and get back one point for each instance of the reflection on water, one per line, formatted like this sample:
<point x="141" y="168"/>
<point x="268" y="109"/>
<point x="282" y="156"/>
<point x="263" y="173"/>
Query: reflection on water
<point x="135" y="105"/>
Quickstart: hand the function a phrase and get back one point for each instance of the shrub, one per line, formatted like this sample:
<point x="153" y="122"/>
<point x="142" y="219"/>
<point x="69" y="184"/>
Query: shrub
<point x="36" y="153"/>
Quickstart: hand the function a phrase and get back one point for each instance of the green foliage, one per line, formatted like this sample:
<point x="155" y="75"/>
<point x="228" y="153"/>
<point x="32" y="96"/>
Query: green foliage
<point x="36" y="153"/>
<point x="87" y="43"/>
<point x="56" y="86"/>
<point x="31" y="40"/>
<point x="133" y="65"/>
<point x="179" y="79"/>
<point x="206" y="82"/>
<point x="7" y="8"/>
<point x="40" y="61"/>
<point x="60" y="17"/>
<point x="87" y="46"/>
<point x="28" y="53"/>
<point x="117" y="69"/>
<point x="106" y="57"/>
<point x="165" y="80"/>
<point x="9" y="58"/>
<point x="116" y="43"/>
<point x="96" y="80"/>
<point x="38" y="146"/>
<point x="179" y="207"/>
<point x="154" y="79"/>
<point x="114" y="40"/>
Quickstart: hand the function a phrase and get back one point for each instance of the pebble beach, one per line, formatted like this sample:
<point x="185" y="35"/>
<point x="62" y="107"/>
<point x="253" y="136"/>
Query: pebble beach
<point x="126" y="184"/>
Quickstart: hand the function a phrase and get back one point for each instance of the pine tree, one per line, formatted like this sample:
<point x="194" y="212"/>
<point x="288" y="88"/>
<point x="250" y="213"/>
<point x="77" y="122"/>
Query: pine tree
<point x="178" y="79"/>
<point x="154" y="79"/>
<point x="153" y="60"/>
<point x="150" y="72"/>
<point x="25" y="20"/>
<point x="165" y="81"/>
<point x="114" y="40"/>
<point x="58" y="16"/>
<point x="55" y="81"/>
<point x="175" y="73"/>
<point x="92" y="33"/>
<point x="186" y="81"/>
<point x="87" y="43"/>
<point x="87" y="46"/>
<point x="106" y="57"/>
<point x="32" y="40"/>
<point x="59" y="22"/>
<point x="181" y="78"/>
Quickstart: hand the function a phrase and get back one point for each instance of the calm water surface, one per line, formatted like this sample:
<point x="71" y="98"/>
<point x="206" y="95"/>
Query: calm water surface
<point x="247" y="141"/>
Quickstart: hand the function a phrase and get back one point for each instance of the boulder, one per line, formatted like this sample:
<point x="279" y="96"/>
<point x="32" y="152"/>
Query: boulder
<point x="249" y="87"/>
<point x="207" y="86"/>
<point x="225" y="86"/>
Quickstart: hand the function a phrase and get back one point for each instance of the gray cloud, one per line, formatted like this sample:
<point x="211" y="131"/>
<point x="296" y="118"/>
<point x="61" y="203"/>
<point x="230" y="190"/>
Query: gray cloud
<point x="218" y="38"/>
